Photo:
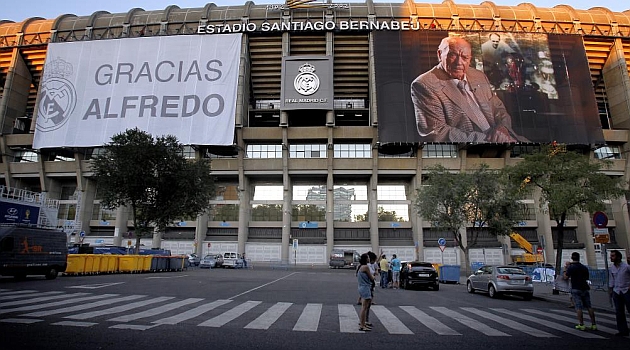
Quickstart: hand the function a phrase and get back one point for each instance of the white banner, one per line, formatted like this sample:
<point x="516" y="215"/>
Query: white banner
<point x="182" y="85"/>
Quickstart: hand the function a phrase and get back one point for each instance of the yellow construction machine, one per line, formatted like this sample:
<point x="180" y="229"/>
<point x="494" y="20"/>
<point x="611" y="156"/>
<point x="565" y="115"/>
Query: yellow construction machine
<point x="529" y="257"/>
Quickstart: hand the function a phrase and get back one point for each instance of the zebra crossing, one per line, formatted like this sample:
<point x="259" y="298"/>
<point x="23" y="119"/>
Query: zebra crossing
<point x="141" y="312"/>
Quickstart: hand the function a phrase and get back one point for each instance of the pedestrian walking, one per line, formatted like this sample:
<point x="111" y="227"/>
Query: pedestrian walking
<point x="364" y="279"/>
<point x="384" y="265"/>
<point x="396" y="265"/>
<point x="580" y="290"/>
<point x="618" y="285"/>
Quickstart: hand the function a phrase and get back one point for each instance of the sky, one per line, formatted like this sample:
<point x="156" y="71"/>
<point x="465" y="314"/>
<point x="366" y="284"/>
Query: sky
<point x="23" y="9"/>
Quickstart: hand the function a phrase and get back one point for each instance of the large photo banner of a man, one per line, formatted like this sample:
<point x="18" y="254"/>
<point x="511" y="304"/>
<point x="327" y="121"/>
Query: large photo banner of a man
<point x="439" y="86"/>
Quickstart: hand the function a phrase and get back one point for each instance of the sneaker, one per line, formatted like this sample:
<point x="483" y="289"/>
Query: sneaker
<point x="593" y="327"/>
<point x="580" y="327"/>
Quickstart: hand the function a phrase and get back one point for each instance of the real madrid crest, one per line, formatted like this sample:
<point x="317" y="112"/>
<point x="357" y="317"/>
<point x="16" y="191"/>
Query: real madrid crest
<point x="57" y="97"/>
<point x="307" y="82"/>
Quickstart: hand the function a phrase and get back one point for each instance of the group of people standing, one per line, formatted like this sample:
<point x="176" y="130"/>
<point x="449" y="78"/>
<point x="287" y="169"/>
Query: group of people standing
<point x="618" y="288"/>
<point x="368" y="268"/>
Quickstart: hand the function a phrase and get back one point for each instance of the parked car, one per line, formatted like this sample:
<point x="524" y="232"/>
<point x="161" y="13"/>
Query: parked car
<point x="340" y="258"/>
<point x="193" y="259"/>
<point x="501" y="279"/>
<point x="230" y="259"/>
<point x="418" y="273"/>
<point x="211" y="261"/>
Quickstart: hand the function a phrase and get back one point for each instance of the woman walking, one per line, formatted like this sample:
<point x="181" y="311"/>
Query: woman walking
<point x="365" y="280"/>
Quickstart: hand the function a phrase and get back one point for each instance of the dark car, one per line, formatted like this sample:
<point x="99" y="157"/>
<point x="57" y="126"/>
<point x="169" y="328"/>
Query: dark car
<point x="418" y="273"/>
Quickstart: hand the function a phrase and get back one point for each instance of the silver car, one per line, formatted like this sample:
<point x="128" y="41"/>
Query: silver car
<point x="501" y="279"/>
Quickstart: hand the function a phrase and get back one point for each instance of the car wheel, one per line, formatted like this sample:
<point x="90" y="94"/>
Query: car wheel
<point x="492" y="292"/>
<point x="469" y="287"/>
<point x="52" y="274"/>
<point x="528" y="297"/>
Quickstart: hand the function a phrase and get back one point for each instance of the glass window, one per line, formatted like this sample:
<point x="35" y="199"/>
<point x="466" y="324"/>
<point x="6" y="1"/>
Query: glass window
<point x="352" y="150"/>
<point x="441" y="150"/>
<point x="307" y="151"/>
<point x="100" y="213"/>
<point x="188" y="152"/>
<point x="351" y="203"/>
<point x="224" y="212"/>
<point x="309" y="193"/>
<point x="519" y="150"/>
<point x="393" y="212"/>
<point x="350" y="212"/>
<point x="25" y="156"/>
<point x="608" y="152"/>
<point x="264" y="151"/>
<point x="308" y="212"/>
<point x="268" y="193"/>
<point x="391" y="192"/>
<point x="266" y="212"/>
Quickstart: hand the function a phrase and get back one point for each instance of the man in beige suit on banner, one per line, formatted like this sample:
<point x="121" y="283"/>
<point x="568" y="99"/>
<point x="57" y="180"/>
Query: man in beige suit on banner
<point x="454" y="102"/>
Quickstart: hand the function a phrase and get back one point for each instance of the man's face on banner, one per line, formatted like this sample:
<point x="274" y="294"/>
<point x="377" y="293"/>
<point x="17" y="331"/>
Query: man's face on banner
<point x="455" y="57"/>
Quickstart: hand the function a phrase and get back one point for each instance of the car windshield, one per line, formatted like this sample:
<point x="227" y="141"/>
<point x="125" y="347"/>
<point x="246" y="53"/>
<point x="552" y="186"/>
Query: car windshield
<point x="420" y="264"/>
<point x="510" y="270"/>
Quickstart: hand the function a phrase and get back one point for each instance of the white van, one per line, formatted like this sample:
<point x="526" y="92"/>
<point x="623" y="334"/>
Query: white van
<point x="229" y="259"/>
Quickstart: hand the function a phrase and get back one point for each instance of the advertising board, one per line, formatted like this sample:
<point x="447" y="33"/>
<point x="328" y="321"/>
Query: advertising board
<point x="518" y="87"/>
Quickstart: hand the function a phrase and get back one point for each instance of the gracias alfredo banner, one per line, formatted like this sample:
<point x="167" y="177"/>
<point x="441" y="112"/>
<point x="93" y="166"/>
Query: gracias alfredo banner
<point x="176" y="85"/>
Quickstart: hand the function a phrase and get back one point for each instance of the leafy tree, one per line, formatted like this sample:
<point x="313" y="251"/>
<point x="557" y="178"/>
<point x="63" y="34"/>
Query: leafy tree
<point x="152" y="176"/>
<point x="384" y="215"/>
<point x="479" y="200"/>
<point x="570" y="183"/>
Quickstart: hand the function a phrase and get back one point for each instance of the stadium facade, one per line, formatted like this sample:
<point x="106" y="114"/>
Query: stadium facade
<point x="305" y="110"/>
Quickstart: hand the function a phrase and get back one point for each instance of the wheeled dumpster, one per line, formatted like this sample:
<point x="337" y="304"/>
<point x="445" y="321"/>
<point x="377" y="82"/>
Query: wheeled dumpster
<point x="449" y="274"/>
<point x="76" y="264"/>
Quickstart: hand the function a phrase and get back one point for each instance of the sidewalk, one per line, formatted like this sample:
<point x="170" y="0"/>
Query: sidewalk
<point x="599" y="298"/>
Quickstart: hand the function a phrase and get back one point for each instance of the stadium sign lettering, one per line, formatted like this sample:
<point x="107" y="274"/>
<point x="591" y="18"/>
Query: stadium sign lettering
<point x="307" y="26"/>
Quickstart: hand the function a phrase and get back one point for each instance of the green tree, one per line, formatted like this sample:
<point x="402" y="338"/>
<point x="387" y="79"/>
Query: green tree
<point x="474" y="201"/>
<point x="569" y="182"/>
<point x="152" y="176"/>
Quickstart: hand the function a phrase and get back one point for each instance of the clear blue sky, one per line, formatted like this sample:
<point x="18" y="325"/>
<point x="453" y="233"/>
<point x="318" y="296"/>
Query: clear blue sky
<point x="22" y="9"/>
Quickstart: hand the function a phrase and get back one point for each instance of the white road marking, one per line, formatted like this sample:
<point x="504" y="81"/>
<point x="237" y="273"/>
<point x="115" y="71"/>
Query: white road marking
<point x="155" y="311"/>
<point x="266" y="284"/>
<point x="389" y="321"/>
<point x="83" y="306"/>
<point x="510" y="323"/>
<point x="57" y="303"/>
<point x="74" y="324"/>
<point x="309" y="319"/>
<point x="230" y="315"/>
<point x="573" y="319"/>
<point x="267" y="318"/>
<point x="348" y="319"/>
<point x="469" y="322"/>
<point x="192" y="313"/>
<point x="548" y="324"/>
<point x="429" y="322"/>
<point x="40" y="299"/>
<point x="96" y="286"/>
<point x="20" y="320"/>
<point x="117" y="309"/>
<point x="25" y="295"/>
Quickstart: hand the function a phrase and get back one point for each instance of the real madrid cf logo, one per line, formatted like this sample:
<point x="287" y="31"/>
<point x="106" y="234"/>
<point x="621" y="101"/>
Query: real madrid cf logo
<point x="57" y="97"/>
<point x="307" y="82"/>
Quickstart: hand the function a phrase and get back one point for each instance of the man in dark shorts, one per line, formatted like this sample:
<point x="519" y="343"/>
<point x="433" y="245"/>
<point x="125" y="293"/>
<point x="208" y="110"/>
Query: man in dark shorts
<point x="578" y="274"/>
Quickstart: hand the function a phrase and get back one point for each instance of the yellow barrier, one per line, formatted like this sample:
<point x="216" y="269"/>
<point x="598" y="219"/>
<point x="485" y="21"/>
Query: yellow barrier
<point x="437" y="268"/>
<point x="76" y="264"/>
<point x="129" y="263"/>
<point x="146" y="263"/>
<point x="90" y="263"/>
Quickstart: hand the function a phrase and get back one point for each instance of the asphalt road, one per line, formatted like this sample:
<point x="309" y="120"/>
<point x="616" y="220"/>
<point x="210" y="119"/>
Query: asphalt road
<point x="263" y="308"/>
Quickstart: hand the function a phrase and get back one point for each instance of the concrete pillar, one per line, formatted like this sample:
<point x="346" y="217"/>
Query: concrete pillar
<point x="121" y="229"/>
<point x="585" y="235"/>
<point x="201" y="228"/>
